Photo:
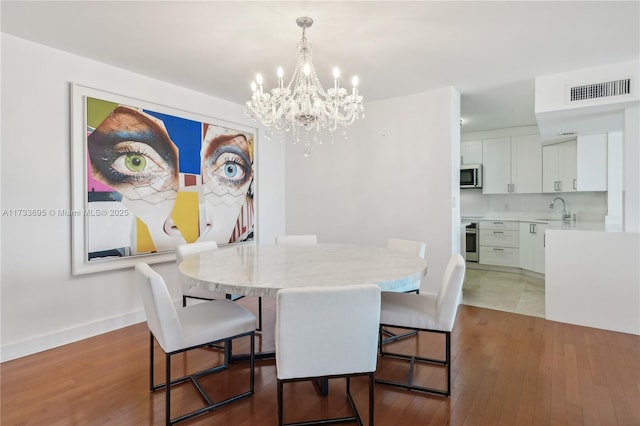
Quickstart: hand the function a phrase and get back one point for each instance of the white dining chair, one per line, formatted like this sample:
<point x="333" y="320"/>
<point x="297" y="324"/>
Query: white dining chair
<point x="412" y="248"/>
<point x="424" y="312"/>
<point x="191" y="291"/>
<point x="417" y="248"/>
<point x="197" y="292"/>
<point x="191" y="327"/>
<point x="325" y="333"/>
<point x="297" y="240"/>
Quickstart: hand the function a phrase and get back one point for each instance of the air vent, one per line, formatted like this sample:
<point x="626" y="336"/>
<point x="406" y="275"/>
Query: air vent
<point x="601" y="90"/>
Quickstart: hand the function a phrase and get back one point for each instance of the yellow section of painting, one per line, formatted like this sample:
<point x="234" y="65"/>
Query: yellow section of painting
<point x="186" y="214"/>
<point x="144" y="242"/>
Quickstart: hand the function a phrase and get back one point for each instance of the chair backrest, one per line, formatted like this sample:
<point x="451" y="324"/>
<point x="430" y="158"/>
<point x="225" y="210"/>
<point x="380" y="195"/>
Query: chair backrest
<point x="449" y="293"/>
<point x="185" y="250"/>
<point x="323" y="331"/>
<point x="162" y="317"/>
<point x="298" y="240"/>
<point x="407" y="246"/>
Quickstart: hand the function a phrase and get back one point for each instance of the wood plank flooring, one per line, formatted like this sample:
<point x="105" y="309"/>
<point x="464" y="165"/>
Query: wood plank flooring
<point x="508" y="369"/>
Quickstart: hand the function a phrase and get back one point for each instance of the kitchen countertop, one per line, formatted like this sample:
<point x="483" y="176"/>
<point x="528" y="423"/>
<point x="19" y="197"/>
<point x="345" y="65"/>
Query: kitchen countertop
<point x="551" y="221"/>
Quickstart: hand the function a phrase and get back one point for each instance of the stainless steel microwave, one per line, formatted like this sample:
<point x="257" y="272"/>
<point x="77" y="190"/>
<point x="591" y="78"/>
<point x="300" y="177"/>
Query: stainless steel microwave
<point x="471" y="176"/>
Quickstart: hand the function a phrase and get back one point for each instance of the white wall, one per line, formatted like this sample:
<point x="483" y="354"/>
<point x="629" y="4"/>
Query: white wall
<point x="593" y="279"/>
<point x="588" y="206"/>
<point x="631" y="177"/>
<point x="395" y="176"/>
<point x="42" y="305"/>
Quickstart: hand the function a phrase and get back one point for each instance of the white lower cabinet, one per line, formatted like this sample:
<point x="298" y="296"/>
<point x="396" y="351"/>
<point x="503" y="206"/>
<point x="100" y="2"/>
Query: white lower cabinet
<point x="532" y="246"/>
<point x="499" y="243"/>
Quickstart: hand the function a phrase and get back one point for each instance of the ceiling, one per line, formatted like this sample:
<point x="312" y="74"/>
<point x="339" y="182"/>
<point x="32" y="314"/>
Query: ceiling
<point x="490" y="51"/>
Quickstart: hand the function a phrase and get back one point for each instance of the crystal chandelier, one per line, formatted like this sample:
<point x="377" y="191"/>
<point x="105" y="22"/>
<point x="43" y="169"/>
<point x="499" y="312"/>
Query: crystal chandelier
<point x="303" y="106"/>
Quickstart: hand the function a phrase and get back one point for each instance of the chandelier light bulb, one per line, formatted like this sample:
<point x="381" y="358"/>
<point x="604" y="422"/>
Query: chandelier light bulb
<point x="254" y="86"/>
<point x="355" y="81"/>
<point x="306" y="69"/>
<point x="259" y="79"/>
<point x="336" y="73"/>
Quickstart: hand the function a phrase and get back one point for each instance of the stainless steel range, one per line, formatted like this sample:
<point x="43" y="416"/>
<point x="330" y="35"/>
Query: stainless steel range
<point x="472" y="242"/>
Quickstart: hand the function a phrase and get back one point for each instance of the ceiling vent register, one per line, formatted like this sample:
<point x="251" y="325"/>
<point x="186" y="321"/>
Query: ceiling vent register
<point x="601" y="90"/>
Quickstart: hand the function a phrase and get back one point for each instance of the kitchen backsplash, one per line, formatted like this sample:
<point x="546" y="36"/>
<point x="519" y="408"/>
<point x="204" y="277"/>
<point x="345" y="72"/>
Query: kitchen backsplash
<point x="587" y="206"/>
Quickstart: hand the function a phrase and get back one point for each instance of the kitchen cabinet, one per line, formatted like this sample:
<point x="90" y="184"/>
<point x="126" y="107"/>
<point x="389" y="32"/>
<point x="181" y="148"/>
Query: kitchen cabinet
<point x="592" y="163"/>
<point x="531" y="246"/>
<point x="577" y="165"/>
<point x="560" y="167"/>
<point x="512" y="165"/>
<point x="471" y="152"/>
<point x="499" y="243"/>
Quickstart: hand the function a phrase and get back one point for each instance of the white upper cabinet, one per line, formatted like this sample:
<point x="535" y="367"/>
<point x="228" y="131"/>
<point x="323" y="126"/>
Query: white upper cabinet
<point x="496" y="157"/>
<point x="512" y="165"/>
<point x="559" y="167"/>
<point x="526" y="164"/>
<point x="471" y="152"/>
<point x="592" y="163"/>
<point x="578" y="165"/>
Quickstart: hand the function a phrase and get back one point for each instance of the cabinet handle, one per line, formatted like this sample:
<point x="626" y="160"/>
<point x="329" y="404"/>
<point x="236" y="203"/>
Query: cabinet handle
<point x="575" y="184"/>
<point x="498" y="223"/>
<point x="531" y="228"/>
<point x="498" y="232"/>
<point x="513" y="187"/>
<point x="535" y="228"/>
<point x="497" y="249"/>
<point x="559" y="185"/>
<point x="555" y="185"/>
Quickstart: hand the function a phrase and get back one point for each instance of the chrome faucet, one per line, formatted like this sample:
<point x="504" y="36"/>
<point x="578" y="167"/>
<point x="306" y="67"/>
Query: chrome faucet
<point x="565" y="214"/>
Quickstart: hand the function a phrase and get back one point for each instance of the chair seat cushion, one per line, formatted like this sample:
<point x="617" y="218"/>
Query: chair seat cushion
<point x="409" y="310"/>
<point x="210" y="321"/>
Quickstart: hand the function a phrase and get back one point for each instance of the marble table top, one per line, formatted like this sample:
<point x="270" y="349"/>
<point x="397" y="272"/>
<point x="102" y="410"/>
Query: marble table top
<point x="253" y="270"/>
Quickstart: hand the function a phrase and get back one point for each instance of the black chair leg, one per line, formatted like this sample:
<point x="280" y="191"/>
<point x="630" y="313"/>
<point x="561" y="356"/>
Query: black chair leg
<point x="168" y="390"/>
<point x="280" y="403"/>
<point x="151" y="362"/>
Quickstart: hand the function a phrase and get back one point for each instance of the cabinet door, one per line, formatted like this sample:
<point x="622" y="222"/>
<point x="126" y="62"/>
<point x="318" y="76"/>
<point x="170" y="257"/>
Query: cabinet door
<point x="550" y="168"/>
<point x="592" y="163"/>
<point x="532" y="246"/>
<point x="526" y="164"/>
<point x="559" y="167"/>
<point x="496" y="157"/>
<point x="471" y="152"/>
<point x="526" y="246"/>
<point x="538" y="248"/>
<point x="567" y="166"/>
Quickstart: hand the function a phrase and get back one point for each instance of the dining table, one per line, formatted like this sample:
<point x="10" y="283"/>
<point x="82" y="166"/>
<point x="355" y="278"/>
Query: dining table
<point x="263" y="270"/>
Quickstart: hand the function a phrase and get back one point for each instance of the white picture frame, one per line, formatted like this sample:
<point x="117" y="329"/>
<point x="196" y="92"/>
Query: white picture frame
<point x="116" y="217"/>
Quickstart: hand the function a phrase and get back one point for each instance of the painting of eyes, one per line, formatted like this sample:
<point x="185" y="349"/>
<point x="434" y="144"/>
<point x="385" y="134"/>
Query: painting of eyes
<point x="130" y="149"/>
<point x="229" y="166"/>
<point x="137" y="163"/>
<point x="154" y="177"/>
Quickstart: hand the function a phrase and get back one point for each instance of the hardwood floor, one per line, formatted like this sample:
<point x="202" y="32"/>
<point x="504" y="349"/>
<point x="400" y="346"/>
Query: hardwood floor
<point x="508" y="369"/>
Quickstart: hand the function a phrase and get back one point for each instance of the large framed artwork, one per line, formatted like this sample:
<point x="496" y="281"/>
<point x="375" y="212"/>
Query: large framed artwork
<point x="148" y="177"/>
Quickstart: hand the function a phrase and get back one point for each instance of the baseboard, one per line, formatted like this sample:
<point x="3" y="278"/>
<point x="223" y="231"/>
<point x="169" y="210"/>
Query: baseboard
<point x="69" y="335"/>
